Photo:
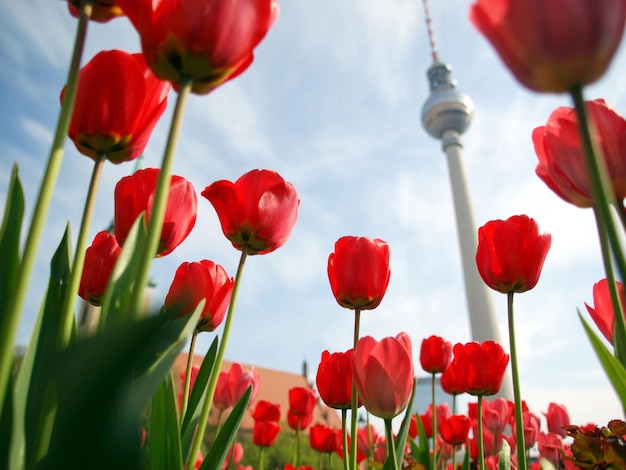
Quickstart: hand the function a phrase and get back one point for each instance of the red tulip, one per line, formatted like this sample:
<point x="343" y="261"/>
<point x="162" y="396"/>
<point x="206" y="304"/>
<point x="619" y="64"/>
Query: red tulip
<point x="443" y="411"/>
<point x="366" y="439"/>
<point x="208" y="42"/>
<point x="549" y="446"/>
<point x="195" y="370"/>
<point x="298" y="421"/>
<point x="435" y="354"/>
<point x="532" y="425"/>
<point x="266" y="411"/>
<point x="302" y="402"/>
<point x="455" y="429"/>
<point x="323" y="438"/>
<point x="102" y="10"/>
<point x="194" y="282"/>
<point x="134" y="194"/>
<point x="234" y="456"/>
<point x="100" y="259"/>
<point x="481" y="366"/>
<point x="557" y="417"/>
<point x="602" y="312"/>
<point x="358" y="271"/>
<point x="257" y="212"/>
<point x="389" y="365"/>
<point x="546" y="49"/>
<point x="264" y="433"/>
<point x="334" y="379"/>
<point x="511" y="253"/>
<point x="450" y="380"/>
<point x="496" y="415"/>
<point x="562" y="163"/>
<point x="118" y="103"/>
<point x="233" y="384"/>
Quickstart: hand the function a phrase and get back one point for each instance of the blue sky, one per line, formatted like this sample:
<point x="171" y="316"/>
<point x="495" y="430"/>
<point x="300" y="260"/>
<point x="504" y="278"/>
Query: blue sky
<point x="333" y="103"/>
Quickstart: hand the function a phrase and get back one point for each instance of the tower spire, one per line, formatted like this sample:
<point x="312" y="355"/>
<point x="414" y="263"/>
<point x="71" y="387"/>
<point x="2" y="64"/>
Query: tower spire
<point x="431" y="33"/>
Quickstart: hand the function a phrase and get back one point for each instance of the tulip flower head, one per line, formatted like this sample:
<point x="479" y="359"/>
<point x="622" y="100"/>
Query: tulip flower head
<point x="557" y="417"/>
<point x="602" y="311"/>
<point x="257" y="212"/>
<point x="324" y="438"/>
<point x="481" y="366"/>
<point x="334" y="379"/>
<point x="496" y="415"/>
<point x="302" y="402"/>
<point x="547" y="50"/>
<point x="455" y="429"/>
<point x="102" y="10"/>
<point x="207" y="42"/>
<point x="118" y="103"/>
<point x="100" y="259"/>
<point x="389" y="365"/>
<point x="435" y="354"/>
<point x="358" y="271"/>
<point x="232" y="384"/>
<point x="511" y="253"/>
<point x="134" y="194"/>
<point x="266" y="428"/>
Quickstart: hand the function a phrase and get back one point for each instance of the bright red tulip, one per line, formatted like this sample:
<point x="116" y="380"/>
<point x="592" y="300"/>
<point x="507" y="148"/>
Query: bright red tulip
<point x="511" y="253"/>
<point x="134" y="194"/>
<point x="435" y="354"/>
<point x="496" y="415"/>
<point x="233" y="384"/>
<point x="194" y="282"/>
<point x="562" y="163"/>
<point x="602" y="311"/>
<point x="557" y="417"/>
<point x="455" y="429"/>
<point x="208" y="42"/>
<point x="102" y="10"/>
<point x="481" y="366"/>
<point x="266" y="411"/>
<point x="257" y="212"/>
<point x="323" y="438"/>
<point x="264" y="433"/>
<point x="298" y="421"/>
<point x="100" y="259"/>
<point x="302" y="402"/>
<point x="546" y="49"/>
<point x="358" y="271"/>
<point x="334" y="379"/>
<point x="389" y="365"/>
<point x="450" y="380"/>
<point x="118" y="103"/>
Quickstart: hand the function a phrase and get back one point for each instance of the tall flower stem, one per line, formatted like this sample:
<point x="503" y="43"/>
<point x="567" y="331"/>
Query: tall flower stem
<point x="344" y="437"/>
<point x="434" y="423"/>
<point x="481" y="447"/>
<point x="519" y="423"/>
<point x="391" y="446"/>
<point x="219" y="358"/>
<point x="296" y="449"/>
<point x="260" y="461"/>
<point x="355" y="396"/>
<point x="10" y="320"/>
<point x="192" y="347"/>
<point x="68" y="314"/>
<point x="155" y="224"/>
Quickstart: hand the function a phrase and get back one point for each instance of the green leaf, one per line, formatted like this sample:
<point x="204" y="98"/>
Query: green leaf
<point x="421" y="450"/>
<point x="214" y="459"/>
<point x="403" y="432"/>
<point x="6" y="428"/>
<point x="10" y="239"/>
<point x="614" y="369"/>
<point x="165" y="450"/>
<point x="504" y="457"/>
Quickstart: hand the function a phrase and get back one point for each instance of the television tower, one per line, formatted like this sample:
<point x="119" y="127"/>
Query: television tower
<point x="446" y="114"/>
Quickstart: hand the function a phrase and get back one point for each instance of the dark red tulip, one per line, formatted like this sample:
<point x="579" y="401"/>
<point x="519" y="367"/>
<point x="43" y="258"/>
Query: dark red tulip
<point x="562" y="164"/>
<point x="481" y="366"/>
<point x="547" y="50"/>
<point x="208" y="42"/>
<point x="323" y="438"/>
<point x="102" y="10"/>
<point x="602" y="312"/>
<point x="389" y="365"/>
<point x="455" y="429"/>
<point x="100" y="259"/>
<point x="435" y="354"/>
<point x="194" y="282"/>
<point x="257" y="212"/>
<point x="358" y="271"/>
<point x="334" y="379"/>
<point x="134" y="194"/>
<point x="118" y="103"/>
<point x="511" y="253"/>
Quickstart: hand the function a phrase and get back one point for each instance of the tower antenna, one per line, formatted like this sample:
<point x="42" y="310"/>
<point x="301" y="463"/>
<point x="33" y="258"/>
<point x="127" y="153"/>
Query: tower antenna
<point x="431" y="32"/>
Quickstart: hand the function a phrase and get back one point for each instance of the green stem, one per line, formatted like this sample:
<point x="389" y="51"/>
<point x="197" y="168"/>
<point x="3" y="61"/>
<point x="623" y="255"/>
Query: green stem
<point x="434" y="423"/>
<point x="519" y="421"/>
<point x="210" y="392"/>
<point x="68" y="315"/>
<point x="155" y="224"/>
<point x="260" y="461"/>
<point x="10" y="320"/>
<point x="330" y="460"/>
<point x="391" y="447"/>
<point x="296" y="443"/>
<point x="344" y="437"/>
<point x="453" y="456"/>
<point x="481" y="451"/>
<point x="355" y="397"/>
<point x="187" y="386"/>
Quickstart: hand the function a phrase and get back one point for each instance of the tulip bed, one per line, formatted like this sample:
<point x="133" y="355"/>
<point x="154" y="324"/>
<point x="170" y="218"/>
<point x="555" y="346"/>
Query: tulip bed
<point x="59" y="412"/>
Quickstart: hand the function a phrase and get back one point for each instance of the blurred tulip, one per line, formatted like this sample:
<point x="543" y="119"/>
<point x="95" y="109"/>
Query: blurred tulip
<point x="234" y="456"/>
<point x="481" y="366"/>
<point x="562" y="164"/>
<point x="358" y="271"/>
<point x="323" y="438"/>
<point x="134" y="194"/>
<point x="366" y="438"/>
<point x="264" y="433"/>
<point x="496" y="415"/>
<point x="435" y="354"/>
<point x="334" y="379"/>
<point x="602" y="312"/>
<point x="532" y="425"/>
<point x="102" y="10"/>
<point x="557" y="417"/>
<point x="302" y="402"/>
<point x="100" y="259"/>
<point x="511" y="253"/>
<point x="194" y="282"/>
<point x="266" y="411"/>
<point x="298" y="421"/>
<point x="550" y="446"/>
<point x="455" y="429"/>
<point x="208" y="42"/>
<point x="118" y="103"/>
<point x="547" y="50"/>
<point x="233" y="384"/>
<point x="195" y="370"/>
<point x="257" y="212"/>
<point x="389" y="365"/>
